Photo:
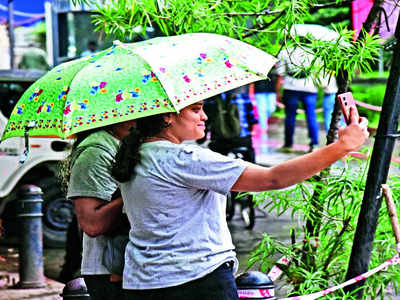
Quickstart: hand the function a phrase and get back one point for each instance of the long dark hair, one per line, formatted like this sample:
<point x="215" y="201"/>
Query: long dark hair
<point x="128" y="155"/>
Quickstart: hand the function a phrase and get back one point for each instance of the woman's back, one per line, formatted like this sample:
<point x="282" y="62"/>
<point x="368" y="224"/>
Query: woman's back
<point x="176" y="206"/>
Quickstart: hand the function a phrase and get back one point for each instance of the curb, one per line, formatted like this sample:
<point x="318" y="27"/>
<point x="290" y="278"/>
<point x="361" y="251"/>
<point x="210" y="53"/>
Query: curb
<point x="51" y="291"/>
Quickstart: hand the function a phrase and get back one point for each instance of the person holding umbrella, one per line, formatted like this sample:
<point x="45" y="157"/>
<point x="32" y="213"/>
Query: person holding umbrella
<point x="97" y="202"/>
<point x="180" y="247"/>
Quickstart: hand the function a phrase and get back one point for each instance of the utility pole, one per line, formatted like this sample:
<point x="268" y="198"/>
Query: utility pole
<point x="11" y="32"/>
<point x="377" y="173"/>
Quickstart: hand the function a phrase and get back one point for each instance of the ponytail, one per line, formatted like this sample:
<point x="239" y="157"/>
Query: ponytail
<point x="128" y="156"/>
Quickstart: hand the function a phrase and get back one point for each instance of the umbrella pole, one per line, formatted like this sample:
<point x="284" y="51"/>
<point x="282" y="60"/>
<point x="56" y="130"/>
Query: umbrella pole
<point x="11" y="32"/>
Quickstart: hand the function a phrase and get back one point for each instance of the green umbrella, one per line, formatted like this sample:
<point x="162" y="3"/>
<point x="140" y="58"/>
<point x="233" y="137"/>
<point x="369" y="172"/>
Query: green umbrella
<point x="129" y="81"/>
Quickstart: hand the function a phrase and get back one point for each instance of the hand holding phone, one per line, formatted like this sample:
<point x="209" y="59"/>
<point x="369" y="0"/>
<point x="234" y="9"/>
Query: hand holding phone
<point x="346" y="103"/>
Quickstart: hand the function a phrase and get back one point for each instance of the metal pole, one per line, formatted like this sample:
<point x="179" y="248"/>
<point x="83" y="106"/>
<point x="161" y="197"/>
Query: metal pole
<point x="31" y="237"/>
<point x="50" y="33"/>
<point x="380" y="65"/>
<point x="11" y="32"/>
<point x="377" y="173"/>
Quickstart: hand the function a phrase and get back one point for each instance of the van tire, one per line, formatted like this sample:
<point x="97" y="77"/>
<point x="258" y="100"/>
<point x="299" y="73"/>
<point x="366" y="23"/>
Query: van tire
<point x="57" y="213"/>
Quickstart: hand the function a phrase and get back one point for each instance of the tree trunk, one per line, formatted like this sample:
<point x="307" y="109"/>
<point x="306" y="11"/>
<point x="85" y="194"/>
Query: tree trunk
<point x="377" y="173"/>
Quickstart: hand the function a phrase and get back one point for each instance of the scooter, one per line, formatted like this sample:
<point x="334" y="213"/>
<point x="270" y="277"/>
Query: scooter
<point x="255" y="285"/>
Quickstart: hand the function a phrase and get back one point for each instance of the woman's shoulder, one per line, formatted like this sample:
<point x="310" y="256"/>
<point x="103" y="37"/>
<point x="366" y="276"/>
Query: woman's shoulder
<point x="169" y="146"/>
<point x="170" y="150"/>
<point x="196" y="153"/>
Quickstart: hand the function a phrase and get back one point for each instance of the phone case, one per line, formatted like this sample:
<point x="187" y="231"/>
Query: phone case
<point x="346" y="101"/>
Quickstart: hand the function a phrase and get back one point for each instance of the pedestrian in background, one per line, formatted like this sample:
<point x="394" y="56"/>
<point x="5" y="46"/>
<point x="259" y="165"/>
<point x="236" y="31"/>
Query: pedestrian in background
<point x="175" y="197"/>
<point x="330" y="88"/>
<point x="297" y="87"/>
<point x="91" y="49"/>
<point x="240" y="98"/>
<point x="265" y="92"/>
<point x="34" y="58"/>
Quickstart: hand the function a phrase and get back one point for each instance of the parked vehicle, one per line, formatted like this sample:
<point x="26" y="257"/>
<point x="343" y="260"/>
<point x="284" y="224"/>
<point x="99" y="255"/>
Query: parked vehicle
<point x="39" y="169"/>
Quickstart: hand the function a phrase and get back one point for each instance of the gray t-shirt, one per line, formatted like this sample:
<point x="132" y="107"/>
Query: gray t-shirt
<point x="90" y="177"/>
<point x="176" y="206"/>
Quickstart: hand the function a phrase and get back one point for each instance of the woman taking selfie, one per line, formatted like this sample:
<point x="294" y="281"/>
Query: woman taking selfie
<point x="175" y="197"/>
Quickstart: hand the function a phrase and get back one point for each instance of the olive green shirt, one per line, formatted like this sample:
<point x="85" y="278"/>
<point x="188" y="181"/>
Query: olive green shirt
<point x="91" y="177"/>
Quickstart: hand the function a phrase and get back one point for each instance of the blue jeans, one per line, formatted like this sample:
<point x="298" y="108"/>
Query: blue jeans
<point x="309" y="101"/>
<point x="328" y="105"/>
<point x="266" y="105"/>
<point x="218" y="285"/>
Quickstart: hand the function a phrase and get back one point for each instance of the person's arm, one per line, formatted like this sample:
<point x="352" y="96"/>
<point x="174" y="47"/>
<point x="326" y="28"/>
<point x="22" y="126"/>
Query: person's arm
<point x="278" y="87"/>
<point x="256" y="178"/>
<point x="96" y="216"/>
<point x="280" y="70"/>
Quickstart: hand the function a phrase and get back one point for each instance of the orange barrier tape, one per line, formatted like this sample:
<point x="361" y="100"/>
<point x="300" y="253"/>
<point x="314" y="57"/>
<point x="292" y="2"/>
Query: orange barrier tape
<point x="369" y="106"/>
<point x="276" y="272"/>
<point x="394" y="260"/>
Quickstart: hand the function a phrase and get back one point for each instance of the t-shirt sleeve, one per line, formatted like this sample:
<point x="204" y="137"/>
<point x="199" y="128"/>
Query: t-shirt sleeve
<point x="207" y="170"/>
<point x="90" y="175"/>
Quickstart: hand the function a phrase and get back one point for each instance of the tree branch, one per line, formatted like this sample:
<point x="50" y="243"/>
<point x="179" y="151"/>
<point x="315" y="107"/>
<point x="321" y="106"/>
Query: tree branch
<point x="262" y="27"/>
<point x="266" y="12"/>
<point x="317" y="7"/>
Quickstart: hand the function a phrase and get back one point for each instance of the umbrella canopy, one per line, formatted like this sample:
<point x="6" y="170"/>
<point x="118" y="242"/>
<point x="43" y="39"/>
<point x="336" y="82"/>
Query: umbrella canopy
<point x="318" y="32"/>
<point x="129" y="81"/>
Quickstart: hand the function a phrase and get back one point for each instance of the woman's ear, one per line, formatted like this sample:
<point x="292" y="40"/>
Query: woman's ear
<point x="167" y="118"/>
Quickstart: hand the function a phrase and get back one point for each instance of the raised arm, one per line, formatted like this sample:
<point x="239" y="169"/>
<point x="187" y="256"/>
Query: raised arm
<point x="256" y="178"/>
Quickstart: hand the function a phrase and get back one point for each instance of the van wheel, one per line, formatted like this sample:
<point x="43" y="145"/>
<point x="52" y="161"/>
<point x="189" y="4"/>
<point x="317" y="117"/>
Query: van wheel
<point x="57" y="213"/>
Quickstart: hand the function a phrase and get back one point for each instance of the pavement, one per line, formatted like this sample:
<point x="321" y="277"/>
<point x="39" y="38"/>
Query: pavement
<point x="10" y="279"/>
<point x="267" y="154"/>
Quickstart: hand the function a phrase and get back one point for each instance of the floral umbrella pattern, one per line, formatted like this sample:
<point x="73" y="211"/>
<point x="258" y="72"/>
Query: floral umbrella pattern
<point x="129" y="81"/>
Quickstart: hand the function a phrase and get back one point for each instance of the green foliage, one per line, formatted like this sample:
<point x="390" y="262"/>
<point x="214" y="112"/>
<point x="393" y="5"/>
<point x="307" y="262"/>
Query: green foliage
<point x="375" y="74"/>
<point x="331" y="15"/>
<point x="321" y="261"/>
<point x="371" y="94"/>
<point x="264" y="24"/>
<point x="39" y="32"/>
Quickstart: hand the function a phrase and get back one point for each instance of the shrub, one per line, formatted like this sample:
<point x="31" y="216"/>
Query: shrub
<point x="370" y="94"/>
<point x="322" y="261"/>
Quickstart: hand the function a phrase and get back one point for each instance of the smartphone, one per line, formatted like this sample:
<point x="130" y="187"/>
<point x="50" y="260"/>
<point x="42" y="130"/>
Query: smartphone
<point x="346" y="101"/>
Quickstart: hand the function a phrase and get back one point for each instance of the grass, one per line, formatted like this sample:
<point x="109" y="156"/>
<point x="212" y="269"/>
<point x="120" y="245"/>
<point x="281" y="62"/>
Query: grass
<point x="375" y="74"/>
